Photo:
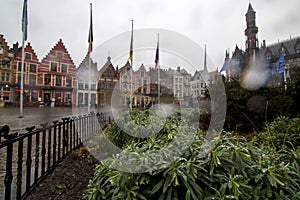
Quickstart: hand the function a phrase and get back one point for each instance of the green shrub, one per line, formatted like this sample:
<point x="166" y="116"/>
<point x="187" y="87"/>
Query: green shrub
<point x="265" y="168"/>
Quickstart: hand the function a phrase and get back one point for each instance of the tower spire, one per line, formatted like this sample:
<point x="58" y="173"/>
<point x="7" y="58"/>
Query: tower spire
<point x="251" y="30"/>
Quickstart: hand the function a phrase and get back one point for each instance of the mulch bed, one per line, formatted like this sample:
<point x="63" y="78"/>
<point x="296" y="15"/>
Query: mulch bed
<point x="69" y="179"/>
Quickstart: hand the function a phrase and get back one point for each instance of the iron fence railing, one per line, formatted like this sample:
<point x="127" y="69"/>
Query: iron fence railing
<point x="27" y="158"/>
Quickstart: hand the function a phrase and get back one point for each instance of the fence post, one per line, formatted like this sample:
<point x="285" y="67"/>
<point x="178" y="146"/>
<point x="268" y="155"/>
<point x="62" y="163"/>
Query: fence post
<point x="37" y="156"/>
<point x="19" y="169"/>
<point x="8" y="175"/>
<point x="65" y="135"/>
<point x="28" y="163"/>
<point x="54" y="140"/>
<point x="43" y="148"/>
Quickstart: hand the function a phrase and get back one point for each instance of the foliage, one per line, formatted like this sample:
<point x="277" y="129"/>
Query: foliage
<point x="249" y="109"/>
<point x="265" y="168"/>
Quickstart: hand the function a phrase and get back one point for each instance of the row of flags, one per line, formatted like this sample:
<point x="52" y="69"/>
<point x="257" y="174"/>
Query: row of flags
<point x="156" y="60"/>
<point x="90" y="37"/>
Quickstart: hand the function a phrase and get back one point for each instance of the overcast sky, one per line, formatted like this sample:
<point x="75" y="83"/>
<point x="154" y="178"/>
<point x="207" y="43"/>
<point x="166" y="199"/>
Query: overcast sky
<point x="219" y="24"/>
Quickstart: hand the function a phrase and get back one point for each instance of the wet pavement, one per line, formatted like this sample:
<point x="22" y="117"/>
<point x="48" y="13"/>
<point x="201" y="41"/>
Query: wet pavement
<point x="31" y="116"/>
<point x="36" y="115"/>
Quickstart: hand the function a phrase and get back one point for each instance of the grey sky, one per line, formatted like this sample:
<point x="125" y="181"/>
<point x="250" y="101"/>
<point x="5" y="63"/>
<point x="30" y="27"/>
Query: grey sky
<point x="219" y="24"/>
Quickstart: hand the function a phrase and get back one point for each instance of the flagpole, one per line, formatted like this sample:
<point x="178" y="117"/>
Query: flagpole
<point x="22" y="79"/>
<point x="89" y="57"/>
<point x="131" y="59"/>
<point x="24" y="38"/>
<point x="158" y="72"/>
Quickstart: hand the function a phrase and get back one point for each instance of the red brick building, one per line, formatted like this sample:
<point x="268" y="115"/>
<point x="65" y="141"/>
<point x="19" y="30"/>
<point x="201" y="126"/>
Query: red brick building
<point x="57" y="77"/>
<point x="108" y="79"/>
<point x="6" y="72"/>
<point x="30" y="75"/>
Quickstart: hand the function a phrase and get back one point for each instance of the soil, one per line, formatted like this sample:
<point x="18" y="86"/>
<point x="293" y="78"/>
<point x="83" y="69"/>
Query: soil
<point x="69" y="179"/>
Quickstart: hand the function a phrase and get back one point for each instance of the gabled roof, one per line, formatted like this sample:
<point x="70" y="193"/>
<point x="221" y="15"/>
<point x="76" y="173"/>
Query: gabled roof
<point x="84" y="65"/>
<point x="4" y="45"/>
<point x="59" y="47"/>
<point x="123" y="69"/>
<point x="28" y="49"/>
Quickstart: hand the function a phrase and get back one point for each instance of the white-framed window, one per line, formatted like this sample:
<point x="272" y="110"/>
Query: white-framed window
<point x="69" y="81"/>
<point x="53" y="66"/>
<point x="32" y="68"/>
<point x="28" y="56"/>
<point x="32" y="79"/>
<point x="64" y="68"/>
<point x="5" y="76"/>
<point x="20" y="65"/>
<point x="58" y="80"/>
<point x="47" y="79"/>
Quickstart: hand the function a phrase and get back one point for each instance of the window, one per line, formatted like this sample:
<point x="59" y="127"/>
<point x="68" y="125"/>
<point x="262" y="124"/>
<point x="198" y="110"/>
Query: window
<point x="64" y="68"/>
<point x="108" y="84"/>
<point x="93" y="86"/>
<point x="19" y="66"/>
<point x="59" y="54"/>
<point x="80" y="84"/>
<point x="101" y="85"/>
<point x="32" y="79"/>
<point x="19" y="77"/>
<point x="32" y="68"/>
<point x="124" y="78"/>
<point x="58" y="81"/>
<point x="142" y="73"/>
<point x="3" y="77"/>
<point x="109" y="73"/>
<point x="69" y="82"/>
<point x="53" y="67"/>
<point x="139" y="82"/>
<point x="124" y="88"/>
<point x="47" y="79"/>
<point x="5" y="64"/>
<point x="28" y="56"/>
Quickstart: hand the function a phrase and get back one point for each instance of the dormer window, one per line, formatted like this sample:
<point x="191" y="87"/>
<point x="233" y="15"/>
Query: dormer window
<point x="28" y="56"/>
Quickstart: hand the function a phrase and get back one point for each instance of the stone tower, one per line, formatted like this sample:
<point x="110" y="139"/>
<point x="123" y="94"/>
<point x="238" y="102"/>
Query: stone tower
<point x="251" y="32"/>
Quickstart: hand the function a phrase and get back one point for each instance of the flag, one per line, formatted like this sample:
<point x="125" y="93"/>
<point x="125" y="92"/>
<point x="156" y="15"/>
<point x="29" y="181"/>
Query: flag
<point x="131" y="44"/>
<point x="90" y="40"/>
<point x="157" y="55"/>
<point x="279" y="65"/>
<point x="24" y="20"/>
<point x="225" y="66"/>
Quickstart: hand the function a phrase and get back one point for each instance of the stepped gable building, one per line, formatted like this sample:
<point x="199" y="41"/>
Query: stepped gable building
<point x="58" y="77"/>
<point x="30" y="75"/>
<point x="141" y="91"/>
<point x="6" y="72"/>
<point x="83" y="82"/>
<point x="107" y="80"/>
<point x="125" y="83"/>
<point x="270" y="53"/>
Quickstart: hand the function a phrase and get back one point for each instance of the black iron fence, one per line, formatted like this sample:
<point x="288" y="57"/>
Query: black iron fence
<point x="25" y="159"/>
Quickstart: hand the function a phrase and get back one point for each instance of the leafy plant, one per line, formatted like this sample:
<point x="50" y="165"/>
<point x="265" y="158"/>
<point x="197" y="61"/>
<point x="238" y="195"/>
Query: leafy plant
<point x="267" y="167"/>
